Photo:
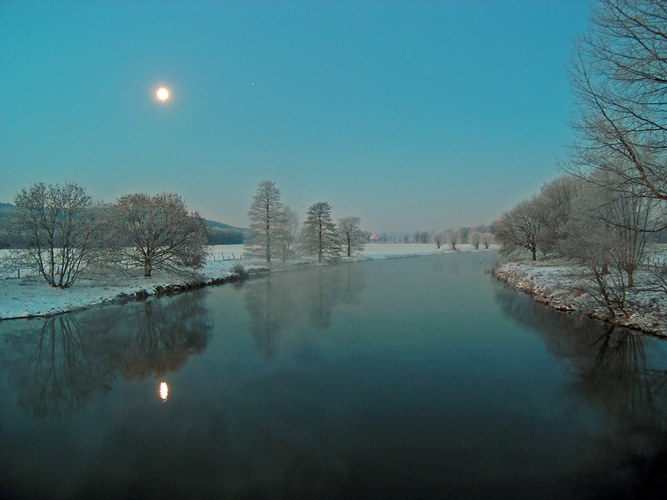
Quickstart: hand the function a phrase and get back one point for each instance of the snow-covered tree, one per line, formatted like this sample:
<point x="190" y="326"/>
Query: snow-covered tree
<point x="319" y="232"/>
<point x="287" y="233"/>
<point x="422" y="237"/>
<point x="488" y="239"/>
<point x="619" y="80"/>
<point x="352" y="237"/>
<point x="616" y="221"/>
<point x="519" y="228"/>
<point x="437" y="238"/>
<point x="158" y="232"/>
<point x="453" y="237"/>
<point x="56" y="230"/>
<point x="554" y="206"/>
<point x="475" y="238"/>
<point x="265" y="214"/>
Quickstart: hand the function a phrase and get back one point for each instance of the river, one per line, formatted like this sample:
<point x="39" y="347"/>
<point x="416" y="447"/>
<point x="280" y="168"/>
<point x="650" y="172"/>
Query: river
<point x="409" y="378"/>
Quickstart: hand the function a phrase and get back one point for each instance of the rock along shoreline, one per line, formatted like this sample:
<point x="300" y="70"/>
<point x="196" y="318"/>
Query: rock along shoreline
<point x="560" y="287"/>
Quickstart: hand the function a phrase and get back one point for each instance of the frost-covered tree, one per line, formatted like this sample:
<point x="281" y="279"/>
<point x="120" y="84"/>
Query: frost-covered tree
<point x="352" y="237"/>
<point x="488" y="239"/>
<point x="554" y="205"/>
<point x="453" y="237"/>
<point x="475" y="238"/>
<point x="158" y="232"/>
<point x="422" y="237"/>
<point x="437" y="238"/>
<point x="619" y="80"/>
<point x="56" y="230"/>
<point x="265" y="214"/>
<point x="319" y="235"/>
<point x="519" y="228"/>
<point x="590" y="243"/>
<point x="287" y="233"/>
<point x="617" y="222"/>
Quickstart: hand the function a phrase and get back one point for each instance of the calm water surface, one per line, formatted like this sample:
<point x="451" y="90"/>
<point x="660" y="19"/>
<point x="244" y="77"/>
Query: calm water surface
<point x="410" y="378"/>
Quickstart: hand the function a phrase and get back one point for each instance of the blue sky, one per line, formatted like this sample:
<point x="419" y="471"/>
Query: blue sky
<point x="411" y="115"/>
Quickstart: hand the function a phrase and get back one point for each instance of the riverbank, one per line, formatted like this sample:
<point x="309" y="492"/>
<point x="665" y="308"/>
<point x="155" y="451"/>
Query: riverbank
<point x="566" y="286"/>
<point x="28" y="295"/>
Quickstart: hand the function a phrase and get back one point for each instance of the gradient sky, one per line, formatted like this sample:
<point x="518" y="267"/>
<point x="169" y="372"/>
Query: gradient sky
<point x="411" y="115"/>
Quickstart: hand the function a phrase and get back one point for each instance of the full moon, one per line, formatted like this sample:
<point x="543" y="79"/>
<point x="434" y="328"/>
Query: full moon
<point x="162" y="94"/>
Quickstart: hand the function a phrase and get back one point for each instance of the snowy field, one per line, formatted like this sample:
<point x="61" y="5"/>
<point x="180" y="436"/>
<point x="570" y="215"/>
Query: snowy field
<point x="29" y="295"/>
<point x="565" y="286"/>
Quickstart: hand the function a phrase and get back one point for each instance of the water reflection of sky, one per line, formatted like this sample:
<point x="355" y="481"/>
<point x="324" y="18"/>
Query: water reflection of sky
<point x="417" y="377"/>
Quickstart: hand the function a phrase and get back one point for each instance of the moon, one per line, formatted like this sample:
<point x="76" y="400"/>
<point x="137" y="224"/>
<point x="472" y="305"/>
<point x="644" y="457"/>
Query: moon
<point x="162" y="94"/>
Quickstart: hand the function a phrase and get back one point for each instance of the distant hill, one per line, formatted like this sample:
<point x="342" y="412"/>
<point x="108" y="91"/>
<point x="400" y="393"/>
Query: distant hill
<point x="6" y="209"/>
<point x="224" y="234"/>
<point x="220" y="225"/>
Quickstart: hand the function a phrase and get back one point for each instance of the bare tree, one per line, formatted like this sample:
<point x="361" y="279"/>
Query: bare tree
<point x="287" y="232"/>
<point x="56" y="231"/>
<point x="437" y="237"/>
<point x="453" y="237"/>
<point x="422" y="237"/>
<point x="351" y="235"/>
<point x="628" y="217"/>
<point x="519" y="228"/>
<point x="619" y="79"/>
<point x="475" y="238"/>
<point x="158" y="232"/>
<point x="463" y="234"/>
<point x="488" y="239"/>
<point x="265" y="214"/>
<point x="319" y="233"/>
<point x="658" y="275"/>
<point x="592" y="243"/>
<point x="554" y="206"/>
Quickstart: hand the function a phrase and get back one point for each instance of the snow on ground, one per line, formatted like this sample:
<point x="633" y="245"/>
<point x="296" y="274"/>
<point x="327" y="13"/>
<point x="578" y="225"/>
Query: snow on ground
<point x="29" y="295"/>
<point x="565" y="285"/>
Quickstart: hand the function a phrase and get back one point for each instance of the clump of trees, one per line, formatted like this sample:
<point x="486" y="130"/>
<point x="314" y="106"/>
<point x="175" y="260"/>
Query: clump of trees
<point x="614" y="199"/>
<point x="59" y="231"/>
<point x="275" y="229"/>
<point x="604" y="229"/>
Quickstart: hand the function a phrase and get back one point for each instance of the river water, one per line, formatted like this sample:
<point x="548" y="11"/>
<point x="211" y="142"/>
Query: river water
<point x="409" y="378"/>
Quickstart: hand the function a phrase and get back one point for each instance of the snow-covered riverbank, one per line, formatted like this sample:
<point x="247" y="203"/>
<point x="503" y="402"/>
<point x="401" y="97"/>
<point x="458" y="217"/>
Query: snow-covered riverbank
<point x="30" y="296"/>
<point x="565" y="286"/>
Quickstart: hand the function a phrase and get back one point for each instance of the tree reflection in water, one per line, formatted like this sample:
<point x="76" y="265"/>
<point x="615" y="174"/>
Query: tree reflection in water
<point x="165" y="336"/>
<point x="611" y="370"/>
<point x="273" y="304"/>
<point x="322" y="290"/>
<point x="61" y="363"/>
<point x="271" y="309"/>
